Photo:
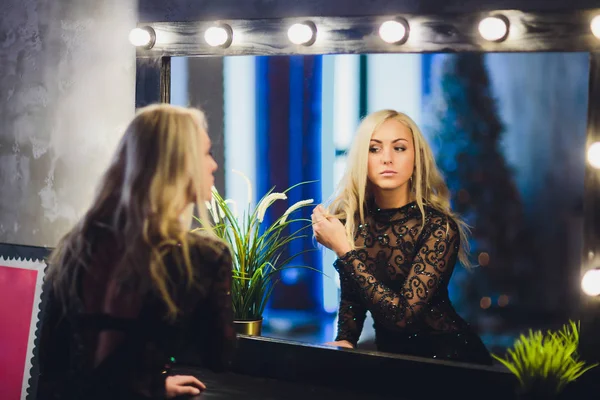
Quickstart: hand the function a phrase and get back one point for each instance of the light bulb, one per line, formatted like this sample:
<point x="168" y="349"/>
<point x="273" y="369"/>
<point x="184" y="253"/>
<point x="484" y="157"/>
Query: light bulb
<point x="494" y="29"/>
<point x="219" y="36"/>
<point x="590" y="283"/>
<point x="142" y="37"/>
<point x="393" y="32"/>
<point x="595" y="26"/>
<point x="593" y="155"/>
<point x="303" y="33"/>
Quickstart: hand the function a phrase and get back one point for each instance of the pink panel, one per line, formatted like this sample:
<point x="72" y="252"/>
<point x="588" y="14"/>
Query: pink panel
<point x="17" y="292"/>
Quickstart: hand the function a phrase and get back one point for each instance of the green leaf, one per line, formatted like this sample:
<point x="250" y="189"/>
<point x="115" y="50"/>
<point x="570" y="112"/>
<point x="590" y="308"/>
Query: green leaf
<point x="546" y="362"/>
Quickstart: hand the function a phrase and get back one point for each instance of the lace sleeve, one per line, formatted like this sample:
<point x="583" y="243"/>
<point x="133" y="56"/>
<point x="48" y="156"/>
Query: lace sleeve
<point x="352" y="312"/>
<point x="222" y="345"/>
<point x="431" y="268"/>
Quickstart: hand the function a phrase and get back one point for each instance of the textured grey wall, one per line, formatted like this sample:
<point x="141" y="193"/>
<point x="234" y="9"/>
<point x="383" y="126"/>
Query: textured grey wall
<point x="67" y="78"/>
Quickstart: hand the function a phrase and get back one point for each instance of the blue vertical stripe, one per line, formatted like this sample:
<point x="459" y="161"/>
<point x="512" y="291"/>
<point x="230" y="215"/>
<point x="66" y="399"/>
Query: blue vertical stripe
<point x="288" y="134"/>
<point x="295" y="155"/>
<point x="304" y="157"/>
<point x="262" y="127"/>
<point x="313" y="121"/>
<point x="363" y="93"/>
<point x="296" y="125"/>
<point x="426" y="60"/>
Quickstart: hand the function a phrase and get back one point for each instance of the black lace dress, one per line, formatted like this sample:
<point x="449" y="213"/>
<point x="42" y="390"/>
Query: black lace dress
<point x="400" y="272"/>
<point x="138" y="345"/>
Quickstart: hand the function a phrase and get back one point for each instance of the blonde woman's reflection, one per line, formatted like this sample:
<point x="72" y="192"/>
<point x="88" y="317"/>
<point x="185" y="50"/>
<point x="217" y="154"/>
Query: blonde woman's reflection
<point x="397" y="241"/>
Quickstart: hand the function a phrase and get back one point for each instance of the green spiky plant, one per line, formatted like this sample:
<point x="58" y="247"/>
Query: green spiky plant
<point x="544" y="363"/>
<point x="257" y="248"/>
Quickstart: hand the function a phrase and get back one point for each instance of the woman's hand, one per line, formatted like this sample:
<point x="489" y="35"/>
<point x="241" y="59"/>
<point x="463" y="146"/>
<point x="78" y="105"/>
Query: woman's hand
<point x="329" y="231"/>
<point x="341" y="343"/>
<point x="179" y="385"/>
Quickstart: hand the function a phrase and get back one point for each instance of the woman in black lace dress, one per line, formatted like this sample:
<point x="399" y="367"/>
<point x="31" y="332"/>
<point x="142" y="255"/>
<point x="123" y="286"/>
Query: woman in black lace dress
<point x="129" y="290"/>
<point x="397" y="246"/>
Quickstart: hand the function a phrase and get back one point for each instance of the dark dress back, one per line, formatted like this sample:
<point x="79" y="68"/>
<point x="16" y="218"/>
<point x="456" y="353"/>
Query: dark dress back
<point x="115" y="344"/>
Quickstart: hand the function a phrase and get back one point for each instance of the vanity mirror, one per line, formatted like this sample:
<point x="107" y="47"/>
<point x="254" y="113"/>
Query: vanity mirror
<point x="507" y="99"/>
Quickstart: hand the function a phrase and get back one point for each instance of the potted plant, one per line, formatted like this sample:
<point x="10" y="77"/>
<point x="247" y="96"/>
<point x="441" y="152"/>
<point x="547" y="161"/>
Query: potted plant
<point x="257" y="250"/>
<point x="544" y="363"/>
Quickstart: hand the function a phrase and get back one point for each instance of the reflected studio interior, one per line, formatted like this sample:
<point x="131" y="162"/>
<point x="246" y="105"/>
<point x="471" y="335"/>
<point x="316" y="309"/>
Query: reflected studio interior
<point x="512" y="163"/>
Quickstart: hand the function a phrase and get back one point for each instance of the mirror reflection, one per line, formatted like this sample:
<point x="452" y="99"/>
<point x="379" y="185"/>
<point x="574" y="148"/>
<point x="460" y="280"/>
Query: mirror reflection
<point x="507" y="134"/>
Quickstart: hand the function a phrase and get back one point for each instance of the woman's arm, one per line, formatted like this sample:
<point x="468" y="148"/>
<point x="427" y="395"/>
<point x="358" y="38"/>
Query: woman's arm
<point x="352" y="312"/>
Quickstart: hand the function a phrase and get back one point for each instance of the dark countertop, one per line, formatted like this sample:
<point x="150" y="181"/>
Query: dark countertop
<point x="272" y="369"/>
<point x="267" y="368"/>
<point x="229" y="386"/>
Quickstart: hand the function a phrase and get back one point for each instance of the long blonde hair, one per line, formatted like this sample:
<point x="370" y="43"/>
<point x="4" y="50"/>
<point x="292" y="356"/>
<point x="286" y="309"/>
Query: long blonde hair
<point x="135" y="215"/>
<point x="349" y="201"/>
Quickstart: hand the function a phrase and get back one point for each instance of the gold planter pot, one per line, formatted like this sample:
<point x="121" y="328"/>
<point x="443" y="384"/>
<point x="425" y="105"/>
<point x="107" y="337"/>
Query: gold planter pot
<point x="250" y="328"/>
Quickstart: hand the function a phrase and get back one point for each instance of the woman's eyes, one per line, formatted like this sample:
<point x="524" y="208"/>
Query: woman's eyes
<point x="376" y="149"/>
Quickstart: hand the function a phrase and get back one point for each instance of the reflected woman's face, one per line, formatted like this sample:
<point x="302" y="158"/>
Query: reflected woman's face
<point x="209" y="166"/>
<point x="391" y="156"/>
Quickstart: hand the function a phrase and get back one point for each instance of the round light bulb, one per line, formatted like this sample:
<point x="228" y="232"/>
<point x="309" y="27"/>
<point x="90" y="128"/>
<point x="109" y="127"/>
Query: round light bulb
<point x="493" y="29"/>
<point x="302" y="34"/>
<point x="392" y="31"/>
<point x="218" y="36"/>
<point x="590" y="283"/>
<point x="141" y="37"/>
<point x="593" y="155"/>
<point x="595" y="26"/>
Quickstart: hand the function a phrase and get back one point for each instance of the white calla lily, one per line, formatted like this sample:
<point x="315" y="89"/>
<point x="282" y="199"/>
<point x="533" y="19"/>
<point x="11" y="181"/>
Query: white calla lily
<point x="293" y="208"/>
<point x="266" y="203"/>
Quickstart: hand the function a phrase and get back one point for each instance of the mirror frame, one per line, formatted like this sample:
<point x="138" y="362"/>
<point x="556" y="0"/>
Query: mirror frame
<point x="529" y="31"/>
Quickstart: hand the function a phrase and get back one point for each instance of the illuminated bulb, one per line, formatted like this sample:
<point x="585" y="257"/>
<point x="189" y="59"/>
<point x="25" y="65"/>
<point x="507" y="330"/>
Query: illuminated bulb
<point x="485" y="302"/>
<point x="503" y="300"/>
<point x="304" y="33"/>
<point x="142" y="37"/>
<point x="595" y="25"/>
<point x="493" y="29"/>
<point x="483" y="259"/>
<point x="392" y="32"/>
<point x="593" y="155"/>
<point x="590" y="283"/>
<point x="218" y="36"/>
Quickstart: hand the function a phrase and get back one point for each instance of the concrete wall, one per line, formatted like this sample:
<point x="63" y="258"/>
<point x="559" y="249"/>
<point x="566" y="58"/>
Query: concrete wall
<point x="67" y="78"/>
